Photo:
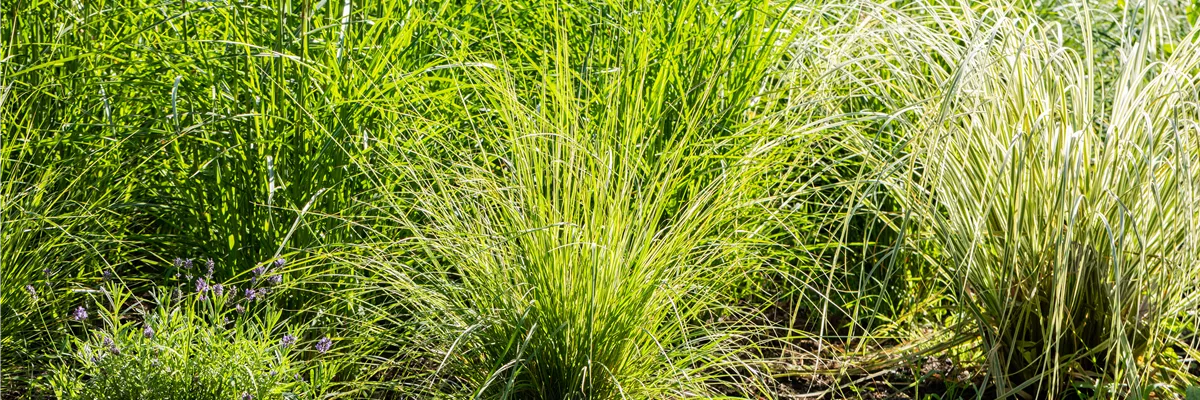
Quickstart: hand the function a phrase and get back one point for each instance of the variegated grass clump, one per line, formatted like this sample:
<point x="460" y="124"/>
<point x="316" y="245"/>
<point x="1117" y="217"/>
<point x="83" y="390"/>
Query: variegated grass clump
<point x="1069" y="223"/>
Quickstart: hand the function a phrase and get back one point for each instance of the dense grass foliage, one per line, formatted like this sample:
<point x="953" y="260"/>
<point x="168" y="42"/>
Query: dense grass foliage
<point x="613" y="199"/>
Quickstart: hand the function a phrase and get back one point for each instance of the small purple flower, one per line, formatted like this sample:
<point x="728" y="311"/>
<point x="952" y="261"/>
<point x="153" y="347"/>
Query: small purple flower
<point x="32" y="292"/>
<point x="201" y="287"/>
<point x="108" y="275"/>
<point x="247" y="396"/>
<point x="112" y="347"/>
<point x="187" y="264"/>
<point x="240" y="309"/>
<point x="233" y="291"/>
<point x="208" y="268"/>
<point x="280" y="262"/>
<point x="275" y="279"/>
<point x="80" y="314"/>
<point x="323" y="345"/>
<point x="218" y="290"/>
<point x="148" y="332"/>
<point x="287" y="341"/>
<point x="259" y="270"/>
<point x="178" y="262"/>
<point x="250" y="294"/>
<point x="47" y="273"/>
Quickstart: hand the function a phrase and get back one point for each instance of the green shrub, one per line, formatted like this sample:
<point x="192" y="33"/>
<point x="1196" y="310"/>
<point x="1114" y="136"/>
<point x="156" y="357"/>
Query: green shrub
<point x="215" y="344"/>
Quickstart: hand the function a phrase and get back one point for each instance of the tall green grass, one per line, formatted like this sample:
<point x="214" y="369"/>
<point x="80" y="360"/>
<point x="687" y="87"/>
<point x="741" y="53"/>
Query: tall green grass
<point x="580" y="256"/>
<point x="602" y="199"/>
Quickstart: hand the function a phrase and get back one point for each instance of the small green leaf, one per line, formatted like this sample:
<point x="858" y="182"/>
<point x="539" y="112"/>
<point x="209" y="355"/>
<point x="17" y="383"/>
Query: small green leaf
<point x="1192" y="393"/>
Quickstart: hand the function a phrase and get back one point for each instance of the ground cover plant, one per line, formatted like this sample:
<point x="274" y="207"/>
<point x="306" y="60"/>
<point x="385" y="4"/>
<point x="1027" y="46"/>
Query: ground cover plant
<point x="609" y="199"/>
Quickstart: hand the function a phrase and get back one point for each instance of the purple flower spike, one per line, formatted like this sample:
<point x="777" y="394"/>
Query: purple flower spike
<point x="148" y="332"/>
<point x="250" y="294"/>
<point x="287" y="341"/>
<point x="280" y="262"/>
<point x="218" y="290"/>
<point x="208" y="268"/>
<point x="240" y="309"/>
<point x="247" y="396"/>
<point x="275" y="279"/>
<point x="323" y="345"/>
<point x="201" y="287"/>
<point x="108" y="275"/>
<point x="80" y="314"/>
<point x="32" y="292"/>
<point x="178" y="262"/>
<point x="187" y="264"/>
<point x="259" y="270"/>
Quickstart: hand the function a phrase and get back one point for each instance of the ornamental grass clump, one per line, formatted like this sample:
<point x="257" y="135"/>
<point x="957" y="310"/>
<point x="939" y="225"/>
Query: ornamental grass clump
<point x="1069" y="223"/>
<point x="583" y="252"/>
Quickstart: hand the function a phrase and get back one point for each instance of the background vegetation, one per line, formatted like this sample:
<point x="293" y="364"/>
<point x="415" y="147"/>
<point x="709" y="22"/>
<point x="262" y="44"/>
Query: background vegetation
<point x="599" y="199"/>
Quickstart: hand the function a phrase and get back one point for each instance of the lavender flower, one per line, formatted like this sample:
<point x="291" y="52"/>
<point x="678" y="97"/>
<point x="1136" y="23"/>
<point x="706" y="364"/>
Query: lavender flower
<point x="108" y="275"/>
<point x="47" y="273"/>
<point x="323" y="345"/>
<point x="80" y="314"/>
<point x="209" y="266"/>
<point x="259" y="270"/>
<point x="287" y="341"/>
<point x="233" y="291"/>
<point x="32" y="293"/>
<point x="247" y="396"/>
<point x="218" y="290"/>
<point x="250" y="294"/>
<point x="187" y="264"/>
<point x="178" y="262"/>
<point x="240" y="309"/>
<point x="280" y="262"/>
<point x="201" y="287"/>
<point x="275" y="279"/>
<point x="148" y="332"/>
<point x="112" y="347"/>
